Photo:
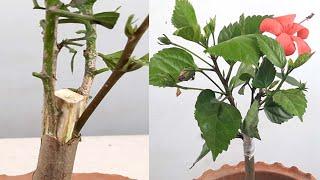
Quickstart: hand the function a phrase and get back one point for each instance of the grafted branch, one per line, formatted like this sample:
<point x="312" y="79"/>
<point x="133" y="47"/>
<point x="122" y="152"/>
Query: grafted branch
<point x="115" y="76"/>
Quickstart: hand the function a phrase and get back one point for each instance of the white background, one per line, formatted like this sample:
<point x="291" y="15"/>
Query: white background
<point x="175" y="136"/>
<point x="124" y="111"/>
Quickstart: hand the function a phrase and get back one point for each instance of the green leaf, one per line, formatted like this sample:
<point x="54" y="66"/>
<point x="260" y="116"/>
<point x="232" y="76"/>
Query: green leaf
<point x="242" y="48"/>
<point x="229" y="32"/>
<point x="82" y="4"/>
<point x="276" y="113"/>
<point x="246" y="25"/>
<point x="183" y="14"/>
<point x="106" y="19"/>
<point x="205" y="150"/>
<point x="129" y="28"/>
<point x="166" y="66"/>
<point x="244" y="70"/>
<point x="209" y="28"/>
<point x="265" y="74"/>
<point x="251" y="24"/>
<point x="292" y="101"/>
<point x="219" y="122"/>
<point x="185" y="20"/>
<point x="250" y="123"/>
<point x="290" y="80"/>
<point x="303" y="58"/>
<point x="273" y="50"/>
<point x="191" y="33"/>
<point x="111" y="60"/>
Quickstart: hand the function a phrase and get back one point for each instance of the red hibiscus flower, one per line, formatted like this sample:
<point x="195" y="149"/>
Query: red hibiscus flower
<point x="287" y="33"/>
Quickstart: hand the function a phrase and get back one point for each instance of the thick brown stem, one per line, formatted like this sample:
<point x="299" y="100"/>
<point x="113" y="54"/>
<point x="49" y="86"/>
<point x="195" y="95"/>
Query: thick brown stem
<point x="55" y="159"/>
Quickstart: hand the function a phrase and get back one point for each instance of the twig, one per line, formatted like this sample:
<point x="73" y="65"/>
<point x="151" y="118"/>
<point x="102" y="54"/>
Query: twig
<point x="114" y="77"/>
<point x="203" y="60"/>
<point x="212" y="81"/>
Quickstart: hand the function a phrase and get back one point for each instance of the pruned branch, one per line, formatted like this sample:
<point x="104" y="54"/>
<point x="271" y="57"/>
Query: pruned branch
<point x="114" y="77"/>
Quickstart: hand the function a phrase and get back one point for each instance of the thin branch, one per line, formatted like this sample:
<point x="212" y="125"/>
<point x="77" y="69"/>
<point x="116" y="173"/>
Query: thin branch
<point x="203" y="60"/>
<point x="212" y="81"/>
<point x="114" y="77"/>
<point x="188" y="88"/>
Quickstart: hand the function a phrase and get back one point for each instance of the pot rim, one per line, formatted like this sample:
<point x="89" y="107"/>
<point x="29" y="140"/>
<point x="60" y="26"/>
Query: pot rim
<point x="276" y="168"/>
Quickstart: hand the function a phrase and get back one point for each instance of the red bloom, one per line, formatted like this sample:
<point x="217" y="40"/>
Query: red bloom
<point x="287" y="33"/>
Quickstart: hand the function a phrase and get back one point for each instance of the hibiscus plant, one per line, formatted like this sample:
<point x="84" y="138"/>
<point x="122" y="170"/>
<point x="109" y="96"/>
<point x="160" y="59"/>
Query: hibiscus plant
<point x="255" y="61"/>
<point x="66" y="111"/>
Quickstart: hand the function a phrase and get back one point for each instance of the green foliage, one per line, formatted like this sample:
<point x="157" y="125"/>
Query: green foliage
<point x="166" y="66"/>
<point x="111" y="60"/>
<point x="244" y="72"/>
<point x="303" y="58"/>
<point x="273" y="50"/>
<point x="82" y="5"/>
<point x="290" y="80"/>
<point x="209" y="28"/>
<point x="185" y="20"/>
<point x="107" y="19"/>
<point x="265" y="74"/>
<point x="219" y="122"/>
<point x="250" y="123"/>
<point x="275" y="113"/>
<point x="245" y="25"/>
<point x="129" y="28"/>
<point x="205" y="150"/>
<point x="292" y="101"/>
<point x="242" y="48"/>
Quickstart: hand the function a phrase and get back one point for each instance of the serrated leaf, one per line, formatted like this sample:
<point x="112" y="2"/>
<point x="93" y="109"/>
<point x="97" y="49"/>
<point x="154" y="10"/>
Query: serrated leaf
<point x="265" y="74"/>
<point x="292" y="101"/>
<point x="205" y="150"/>
<point x="107" y="19"/>
<point x="290" y="80"/>
<point x="273" y="50"/>
<point x="229" y="32"/>
<point x="251" y="24"/>
<point x="243" y="70"/>
<point x="183" y="14"/>
<point x="166" y="66"/>
<point x="250" y="123"/>
<point x="302" y="59"/>
<point x="185" y="20"/>
<point x="219" y="122"/>
<point x="191" y="33"/>
<point x="242" y="48"/>
<point x="275" y="113"/>
<point x="245" y="25"/>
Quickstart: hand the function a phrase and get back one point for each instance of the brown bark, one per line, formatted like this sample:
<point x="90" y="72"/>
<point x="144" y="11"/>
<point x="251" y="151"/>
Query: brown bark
<point x="56" y="159"/>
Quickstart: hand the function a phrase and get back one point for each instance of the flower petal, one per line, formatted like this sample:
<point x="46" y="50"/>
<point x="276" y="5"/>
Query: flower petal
<point x="303" y="47"/>
<point x="287" y="44"/>
<point x="303" y="33"/>
<point x="271" y="26"/>
<point x="286" y="20"/>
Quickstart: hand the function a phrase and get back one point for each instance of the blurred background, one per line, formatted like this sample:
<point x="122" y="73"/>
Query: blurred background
<point x="175" y="136"/>
<point x="124" y="111"/>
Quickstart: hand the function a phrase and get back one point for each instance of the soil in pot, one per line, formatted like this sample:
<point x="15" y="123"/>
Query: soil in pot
<point x="76" y="176"/>
<point x="264" y="171"/>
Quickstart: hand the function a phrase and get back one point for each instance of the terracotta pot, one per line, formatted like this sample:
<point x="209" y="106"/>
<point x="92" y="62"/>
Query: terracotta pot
<point x="263" y="171"/>
<point x="76" y="176"/>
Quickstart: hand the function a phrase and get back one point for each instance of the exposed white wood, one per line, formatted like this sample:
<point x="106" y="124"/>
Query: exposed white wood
<point x="71" y="105"/>
<point x="126" y="155"/>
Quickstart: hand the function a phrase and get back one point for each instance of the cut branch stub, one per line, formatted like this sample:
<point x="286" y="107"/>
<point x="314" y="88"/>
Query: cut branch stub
<point x="71" y="106"/>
